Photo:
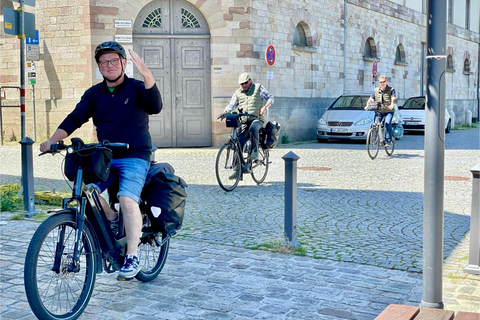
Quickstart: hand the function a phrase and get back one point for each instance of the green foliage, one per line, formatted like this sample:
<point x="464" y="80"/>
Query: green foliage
<point x="284" y="138"/>
<point x="9" y="201"/>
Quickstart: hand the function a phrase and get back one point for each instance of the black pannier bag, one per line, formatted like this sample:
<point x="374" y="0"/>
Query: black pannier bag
<point x="164" y="194"/>
<point x="95" y="163"/>
<point x="269" y="135"/>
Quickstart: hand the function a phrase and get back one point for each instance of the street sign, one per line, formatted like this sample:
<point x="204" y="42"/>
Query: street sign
<point x="32" y="76"/>
<point x="374" y="68"/>
<point x="30" y="3"/>
<point x="270" y="55"/>
<point x="12" y="23"/>
<point x="33" y="41"/>
<point x="32" y="53"/>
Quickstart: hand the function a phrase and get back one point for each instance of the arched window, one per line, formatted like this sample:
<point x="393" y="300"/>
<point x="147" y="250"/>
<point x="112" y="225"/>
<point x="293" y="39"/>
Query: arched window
<point x="154" y="19"/>
<point x="300" y="37"/>
<point x="450" y="64"/>
<point x="466" y="67"/>
<point x="370" y="49"/>
<point x="400" y="57"/>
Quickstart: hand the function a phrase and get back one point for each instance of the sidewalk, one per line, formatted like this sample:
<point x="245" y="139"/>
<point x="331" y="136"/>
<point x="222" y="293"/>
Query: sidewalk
<point x="362" y="235"/>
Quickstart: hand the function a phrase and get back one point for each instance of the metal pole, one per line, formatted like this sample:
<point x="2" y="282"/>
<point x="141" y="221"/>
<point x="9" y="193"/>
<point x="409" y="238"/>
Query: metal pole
<point x="474" y="255"/>
<point x="21" y="36"/>
<point x="434" y="155"/>
<point x="34" y="114"/>
<point x="290" y="222"/>
<point x="27" y="177"/>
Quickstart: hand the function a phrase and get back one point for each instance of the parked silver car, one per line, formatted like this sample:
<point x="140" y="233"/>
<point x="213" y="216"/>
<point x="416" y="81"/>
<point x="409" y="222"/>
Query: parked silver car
<point x="413" y="115"/>
<point x="346" y="118"/>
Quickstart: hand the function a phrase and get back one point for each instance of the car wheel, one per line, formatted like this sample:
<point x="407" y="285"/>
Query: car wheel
<point x="449" y="126"/>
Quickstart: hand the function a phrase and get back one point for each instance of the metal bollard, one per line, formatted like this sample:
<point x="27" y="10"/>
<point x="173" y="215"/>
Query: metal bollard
<point x="27" y="177"/>
<point x="474" y="255"/>
<point x="291" y="198"/>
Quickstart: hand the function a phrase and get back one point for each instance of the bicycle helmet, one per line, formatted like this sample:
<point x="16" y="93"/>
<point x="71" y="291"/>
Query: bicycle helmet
<point x="109" y="46"/>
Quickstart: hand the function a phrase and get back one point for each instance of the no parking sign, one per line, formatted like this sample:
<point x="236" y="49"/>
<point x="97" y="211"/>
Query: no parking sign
<point x="270" y="55"/>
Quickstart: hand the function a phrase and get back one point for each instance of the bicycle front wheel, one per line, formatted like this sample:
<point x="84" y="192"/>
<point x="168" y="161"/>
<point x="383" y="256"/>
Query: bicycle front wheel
<point x="228" y="167"/>
<point x="372" y="143"/>
<point x="260" y="165"/>
<point x="390" y="148"/>
<point x="56" y="287"/>
<point x="152" y="253"/>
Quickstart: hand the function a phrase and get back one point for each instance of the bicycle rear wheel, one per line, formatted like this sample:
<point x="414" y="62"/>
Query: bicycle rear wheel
<point x="57" y="288"/>
<point x="228" y="167"/>
<point x="389" y="150"/>
<point x="152" y="255"/>
<point x="260" y="165"/>
<point x="372" y="143"/>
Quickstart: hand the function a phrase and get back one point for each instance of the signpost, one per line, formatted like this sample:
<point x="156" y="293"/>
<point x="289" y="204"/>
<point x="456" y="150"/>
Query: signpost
<point x="22" y="24"/>
<point x="270" y="58"/>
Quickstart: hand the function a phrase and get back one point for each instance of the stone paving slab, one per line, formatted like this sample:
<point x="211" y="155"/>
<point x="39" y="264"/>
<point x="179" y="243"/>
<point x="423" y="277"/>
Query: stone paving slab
<point x="359" y="221"/>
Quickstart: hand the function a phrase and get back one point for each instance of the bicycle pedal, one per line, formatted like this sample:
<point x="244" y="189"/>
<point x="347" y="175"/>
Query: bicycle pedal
<point x="124" y="279"/>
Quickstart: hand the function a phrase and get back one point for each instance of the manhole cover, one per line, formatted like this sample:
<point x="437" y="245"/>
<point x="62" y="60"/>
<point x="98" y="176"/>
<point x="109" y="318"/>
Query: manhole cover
<point x="452" y="178"/>
<point x="315" y="168"/>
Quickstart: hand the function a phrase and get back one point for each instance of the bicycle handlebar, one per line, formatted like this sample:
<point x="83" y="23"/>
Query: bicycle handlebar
<point x="241" y="114"/>
<point x="78" y="144"/>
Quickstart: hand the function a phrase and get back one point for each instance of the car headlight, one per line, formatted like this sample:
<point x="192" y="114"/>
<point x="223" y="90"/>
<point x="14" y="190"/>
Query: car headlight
<point x="322" y="121"/>
<point x="363" y="121"/>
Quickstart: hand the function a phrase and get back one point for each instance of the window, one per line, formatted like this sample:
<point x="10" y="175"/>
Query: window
<point x="450" y="63"/>
<point x="300" y="38"/>
<point x="154" y="19"/>
<point x="400" y="55"/>
<point x="189" y="20"/>
<point x="466" y="67"/>
<point x="370" y="50"/>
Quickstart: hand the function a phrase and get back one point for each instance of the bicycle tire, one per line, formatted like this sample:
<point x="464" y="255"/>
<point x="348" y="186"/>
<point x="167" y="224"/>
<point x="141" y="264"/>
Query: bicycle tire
<point x="60" y="294"/>
<point x="228" y="162"/>
<point x="152" y="257"/>
<point x="373" y="144"/>
<point x="389" y="150"/>
<point x="260" y="165"/>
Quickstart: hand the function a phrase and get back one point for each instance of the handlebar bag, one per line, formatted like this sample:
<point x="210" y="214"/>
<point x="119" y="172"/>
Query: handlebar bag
<point x="232" y="120"/>
<point x="95" y="163"/>
<point x="165" y="198"/>
<point x="269" y="135"/>
<point x="374" y="106"/>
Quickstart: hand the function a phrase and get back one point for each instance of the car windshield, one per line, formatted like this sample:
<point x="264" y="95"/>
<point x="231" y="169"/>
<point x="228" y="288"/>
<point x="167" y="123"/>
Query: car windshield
<point x="415" y="103"/>
<point x="350" y="102"/>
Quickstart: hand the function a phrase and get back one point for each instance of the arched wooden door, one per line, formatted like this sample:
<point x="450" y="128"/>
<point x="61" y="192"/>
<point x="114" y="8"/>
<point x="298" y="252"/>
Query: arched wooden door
<point x="173" y="38"/>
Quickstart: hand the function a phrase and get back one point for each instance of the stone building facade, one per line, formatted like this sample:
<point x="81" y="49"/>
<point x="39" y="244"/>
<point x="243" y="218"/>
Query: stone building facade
<point x="197" y="48"/>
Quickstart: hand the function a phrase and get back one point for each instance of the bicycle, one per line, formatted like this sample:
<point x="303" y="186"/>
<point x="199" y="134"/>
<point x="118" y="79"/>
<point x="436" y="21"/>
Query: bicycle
<point x="77" y="241"/>
<point x="232" y="162"/>
<point x="376" y="137"/>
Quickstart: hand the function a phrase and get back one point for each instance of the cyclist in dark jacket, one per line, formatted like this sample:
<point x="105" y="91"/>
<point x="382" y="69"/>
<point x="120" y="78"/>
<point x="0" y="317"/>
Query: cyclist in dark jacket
<point x="119" y="107"/>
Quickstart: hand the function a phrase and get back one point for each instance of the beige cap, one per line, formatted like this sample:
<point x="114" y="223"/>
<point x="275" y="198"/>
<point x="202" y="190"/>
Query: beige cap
<point x="244" y="77"/>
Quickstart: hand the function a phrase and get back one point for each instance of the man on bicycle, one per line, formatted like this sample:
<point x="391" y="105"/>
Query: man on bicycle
<point x="249" y="97"/>
<point x="120" y="107"/>
<point x="387" y="97"/>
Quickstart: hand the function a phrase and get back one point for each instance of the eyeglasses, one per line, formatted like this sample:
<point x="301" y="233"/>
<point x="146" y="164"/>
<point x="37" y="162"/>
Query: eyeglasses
<point x="113" y="62"/>
<point x="244" y="83"/>
<point x="382" y="81"/>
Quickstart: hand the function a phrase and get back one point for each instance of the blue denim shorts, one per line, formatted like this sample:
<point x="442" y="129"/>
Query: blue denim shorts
<point x="131" y="173"/>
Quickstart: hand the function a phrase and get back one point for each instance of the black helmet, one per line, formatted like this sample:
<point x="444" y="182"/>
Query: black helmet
<point x="109" y="46"/>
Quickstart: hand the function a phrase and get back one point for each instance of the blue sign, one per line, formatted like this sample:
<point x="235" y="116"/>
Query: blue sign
<point x="33" y="41"/>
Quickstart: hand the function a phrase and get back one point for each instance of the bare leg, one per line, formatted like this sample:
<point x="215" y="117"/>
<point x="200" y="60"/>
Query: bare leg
<point x="109" y="212"/>
<point x="133" y="223"/>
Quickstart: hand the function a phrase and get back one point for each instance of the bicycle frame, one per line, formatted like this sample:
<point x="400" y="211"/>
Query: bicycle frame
<point x="106" y="245"/>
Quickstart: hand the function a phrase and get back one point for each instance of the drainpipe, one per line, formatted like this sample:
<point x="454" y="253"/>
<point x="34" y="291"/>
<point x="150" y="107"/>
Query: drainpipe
<point x="345" y="45"/>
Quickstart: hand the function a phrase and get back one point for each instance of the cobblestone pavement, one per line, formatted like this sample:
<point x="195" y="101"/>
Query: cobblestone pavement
<point x="359" y="221"/>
